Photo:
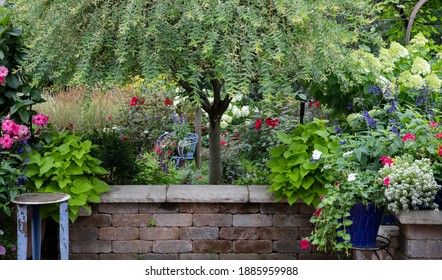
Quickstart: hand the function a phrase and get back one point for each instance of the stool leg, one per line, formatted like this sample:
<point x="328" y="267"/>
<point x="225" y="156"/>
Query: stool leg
<point x="22" y="232"/>
<point x="64" y="231"/>
<point x="36" y="232"/>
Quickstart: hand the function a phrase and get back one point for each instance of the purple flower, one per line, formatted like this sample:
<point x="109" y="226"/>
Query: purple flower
<point x="2" y="250"/>
<point x="371" y="122"/>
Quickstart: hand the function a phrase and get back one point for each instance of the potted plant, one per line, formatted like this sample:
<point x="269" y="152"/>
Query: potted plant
<point x="356" y="190"/>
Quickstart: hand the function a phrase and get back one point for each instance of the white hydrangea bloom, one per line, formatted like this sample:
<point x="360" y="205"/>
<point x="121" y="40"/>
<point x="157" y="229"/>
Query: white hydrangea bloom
<point x="420" y="66"/>
<point x="236" y="111"/>
<point x="433" y="81"/>
<point x="245" y="111"/>
<point x="410" y="81"/>
<point x="418" y="41"/>
<point x="226" y="118"/>
<point x="223" y="124"/>
<point x="397" y="51"/>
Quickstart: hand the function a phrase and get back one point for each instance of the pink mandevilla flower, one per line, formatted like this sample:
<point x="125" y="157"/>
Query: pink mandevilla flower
<point x="387" y="181"/>
<point x="8" y="125"/>
<point x="40" y="120"/>
<point x="3" y="71"/>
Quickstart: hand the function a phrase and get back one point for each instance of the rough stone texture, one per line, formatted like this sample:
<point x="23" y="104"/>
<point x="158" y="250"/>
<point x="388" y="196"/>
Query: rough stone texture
<point x="419" y="217"/>
<point x="94" y="220"/>
<point x="237" y="256"/>
<point x="131" y="220"/>
<point x="135" y="193"/>
<point x="241" y="208"/>
<point x="159" y="208"/>
<point x="212" y="220"/>
<point x="252" y="220"/>
<point x="118" y="257"/>
<point x="122" y="233"/>
<point x="199" y="256"/>
<point x="159" y="257"/>
<point x="212" y="246"/>
<point x="111" y="208"/>
<point x="172" y="246"/>
<point x="85" y="247"/>
<point x="291" y="220"/>
<point x="199" y="233"/>
<point x="199" y="208"/>
<point x="159" y="233"/>
<point x="252" y="246"/>
<point x="278" y="233"/>
<point x="421" y="249"/>
<point x="207" y="193"/>
<point x="270" y="208"/>
<point x="169" y="220"/>
<point x="234" y="233"/>
<point x="431" y="232"/>
<point x="83" y="233"/>
<point x="132" y="246"/>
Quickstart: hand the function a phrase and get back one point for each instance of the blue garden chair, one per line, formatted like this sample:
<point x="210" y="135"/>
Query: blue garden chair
<point x="186" y="148"/>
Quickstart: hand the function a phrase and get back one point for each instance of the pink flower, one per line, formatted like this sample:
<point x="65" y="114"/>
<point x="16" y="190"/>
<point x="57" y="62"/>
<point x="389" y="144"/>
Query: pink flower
<point x="2" y="80"/>
<point x="386" y="160"/>
<point x="408" y="136"/>
<point x="317" y="212"/>
<point x="8" y="125"/>
<point x="258" y="124"/>
<point x="2" y="249"/>
<point x="109" y="118"/>
<point x="304" y="244"/>
<point x="440" y="151"/>
<point x="439" y="135"/>
<point x="433" y="124"/>
<point x="3" y="71"/>
<point x="200" y="177"/>
<point x="386" y="181"/>
<point x="40" y="120"/>
<point x="223" y="143"/>
<point x="22" y="132"/>
<point x="6" y="141"/>
<point x="271" y="122"/>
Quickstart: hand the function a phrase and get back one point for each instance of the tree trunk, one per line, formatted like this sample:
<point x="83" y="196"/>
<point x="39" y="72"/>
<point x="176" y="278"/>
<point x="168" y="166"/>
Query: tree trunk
<point x="215" y="158"/>
<point x="198" y="132"/>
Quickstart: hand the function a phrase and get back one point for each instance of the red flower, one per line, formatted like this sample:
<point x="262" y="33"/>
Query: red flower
<point x="304" y="244"/>
<point x="109" y="118"/>
<point x="433" y="124"/>
<point x="386" y="160"/>
<point x="408" y="136"/>
<point x="258" y="124"/>
<point x="387" y="181"/>
<point x="200" y="177"/>
<point x="133" y="101"/>
<point x="317" y="212"/>
<point x="168" y="102"/>
<point x="271" y="122"/>
<point x="123" y="138"/>
<point x="316" y="103"/>
<point x="439" y="135"/>
<point x="440" y="151"/>
<point x="223" y="143"/>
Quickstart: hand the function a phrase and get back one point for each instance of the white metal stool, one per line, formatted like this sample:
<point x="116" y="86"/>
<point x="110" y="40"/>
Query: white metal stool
<point x="35" y="200"/>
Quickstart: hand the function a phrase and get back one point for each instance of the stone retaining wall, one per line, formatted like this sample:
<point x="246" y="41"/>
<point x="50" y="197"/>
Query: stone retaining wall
<point x="192" y="222"/>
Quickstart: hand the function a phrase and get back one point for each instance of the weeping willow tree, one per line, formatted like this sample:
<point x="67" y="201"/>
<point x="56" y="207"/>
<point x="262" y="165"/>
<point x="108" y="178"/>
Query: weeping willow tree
<point x="212" y="48"/>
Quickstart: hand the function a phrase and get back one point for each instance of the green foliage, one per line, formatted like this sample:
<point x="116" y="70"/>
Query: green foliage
<point x="8" y="238"/>
<point x="116" y="155"/>
<point x="63" y="164"/>
<point x="152" y="173"/>
<point x="295" y="173"/>
<point x="16" y="95"/>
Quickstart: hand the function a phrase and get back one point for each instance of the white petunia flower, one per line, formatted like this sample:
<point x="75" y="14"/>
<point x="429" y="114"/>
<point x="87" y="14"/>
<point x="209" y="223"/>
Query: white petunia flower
<point x="351" y="177"/>
<point x="316" y="154"/>
<point x="347" y="154"/>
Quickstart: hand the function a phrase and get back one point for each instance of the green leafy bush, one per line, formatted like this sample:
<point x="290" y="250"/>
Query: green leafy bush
<point x="295" y="171"/>
<point x="63" y="163"/>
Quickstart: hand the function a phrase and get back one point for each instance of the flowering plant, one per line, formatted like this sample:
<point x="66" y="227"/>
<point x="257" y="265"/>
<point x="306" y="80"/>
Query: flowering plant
<point x="410" y="183"/>
<point x="352" y="184"/>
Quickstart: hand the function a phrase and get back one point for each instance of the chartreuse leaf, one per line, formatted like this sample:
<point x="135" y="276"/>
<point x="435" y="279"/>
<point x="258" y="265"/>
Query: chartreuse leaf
<point x="277" y="151"/>
<point x="307" y="182"/>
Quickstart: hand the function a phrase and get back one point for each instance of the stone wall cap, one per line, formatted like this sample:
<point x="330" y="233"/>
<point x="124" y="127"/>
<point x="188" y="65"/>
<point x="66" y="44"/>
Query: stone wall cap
<point x="260" y="194"/>
<point x="419" y="217"/>
<point x="135" y="194"/>
<point x="207" y="193"/>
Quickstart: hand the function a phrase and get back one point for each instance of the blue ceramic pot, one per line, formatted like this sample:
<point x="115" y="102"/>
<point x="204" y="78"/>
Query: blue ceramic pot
<point x="366" y="221"/>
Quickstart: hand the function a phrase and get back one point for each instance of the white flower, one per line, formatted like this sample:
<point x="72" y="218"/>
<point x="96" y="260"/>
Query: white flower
<point x="236" y="111"/>
<point x="347" y="154"/>
<point x="351" y="177"/>
<point x="1" y="232"/>
<point x="115" y="127"/>
<point x="420" y="66"/>
<point x="227" y="118"/>
<point x="316" y="154"/>
<point x="245" y="111"/>
<point x="223" y="124"/>
<point x="106" y="129"/>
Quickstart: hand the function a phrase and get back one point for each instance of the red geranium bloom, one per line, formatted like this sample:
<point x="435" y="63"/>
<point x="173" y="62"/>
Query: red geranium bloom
<point x="271" y="122"/>
<point x="439" y="135"/>
<point x="304" y="244"/>
<point x="200" y="177"/>
<point x="168" y="102"/>
<point x="386" y="181"/>
<point x="123" y="138"/>
<point x="386" y="160"/>
<point x="316" y="103"/>
<point x="133" y="101"/>
<point x="408" y="136"/>
<point x="317" y="212"/>
<point x="440" y="151"/>
<point x="223" y="143"/>
<point x="258" y="124"/>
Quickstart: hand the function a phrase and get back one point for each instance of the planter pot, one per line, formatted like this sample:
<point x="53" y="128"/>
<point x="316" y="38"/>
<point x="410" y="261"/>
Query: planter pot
<point x="366" y="221"/>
